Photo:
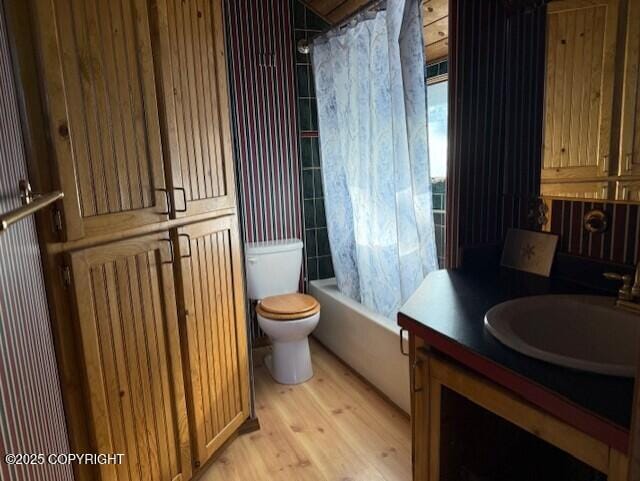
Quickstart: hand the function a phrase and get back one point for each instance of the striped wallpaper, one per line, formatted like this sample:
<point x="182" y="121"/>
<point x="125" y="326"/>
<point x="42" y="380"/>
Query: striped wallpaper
<point x="619" y="244"/>
<point x="496" y="88"/>
<point x="261" y="63"/>
<point x="31" y="412"/>
<point x="260" y="55"/>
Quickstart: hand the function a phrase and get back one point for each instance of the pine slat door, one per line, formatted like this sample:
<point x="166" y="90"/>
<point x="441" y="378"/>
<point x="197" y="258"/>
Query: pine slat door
<point x="576" y="190"/>
<point x="581" y="48"/>
<point x="98" y="82"/>
<point x="628" y="190"/>
<point x="194" y="101"/>
<point x="211" y="302"/>
<point x="630" y="131"/>
<point x="127" y="318"/>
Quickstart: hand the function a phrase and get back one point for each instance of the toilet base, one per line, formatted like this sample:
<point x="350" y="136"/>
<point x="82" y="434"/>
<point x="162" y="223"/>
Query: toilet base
<point x="290" y="362"/>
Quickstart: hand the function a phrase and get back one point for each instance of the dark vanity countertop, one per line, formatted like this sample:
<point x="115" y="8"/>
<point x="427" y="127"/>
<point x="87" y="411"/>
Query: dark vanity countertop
<point x="448" y="310"/>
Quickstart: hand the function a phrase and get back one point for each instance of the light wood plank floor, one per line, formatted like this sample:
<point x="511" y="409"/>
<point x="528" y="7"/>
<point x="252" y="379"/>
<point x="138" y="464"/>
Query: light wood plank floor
<point x="333" y="427"/>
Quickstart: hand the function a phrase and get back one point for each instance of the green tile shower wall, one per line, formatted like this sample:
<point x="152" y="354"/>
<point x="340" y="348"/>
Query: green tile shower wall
<point x="316" y="240"/>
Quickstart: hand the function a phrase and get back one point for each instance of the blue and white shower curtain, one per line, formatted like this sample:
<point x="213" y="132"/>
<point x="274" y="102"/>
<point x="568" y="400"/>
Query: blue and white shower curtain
<point x="375" y="166"/>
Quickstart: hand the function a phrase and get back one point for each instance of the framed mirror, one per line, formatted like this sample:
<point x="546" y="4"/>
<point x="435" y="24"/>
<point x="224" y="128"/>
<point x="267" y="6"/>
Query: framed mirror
<point x="591" y="144"/>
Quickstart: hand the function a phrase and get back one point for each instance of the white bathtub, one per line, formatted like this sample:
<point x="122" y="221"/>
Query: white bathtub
<point x="366" y="341"/>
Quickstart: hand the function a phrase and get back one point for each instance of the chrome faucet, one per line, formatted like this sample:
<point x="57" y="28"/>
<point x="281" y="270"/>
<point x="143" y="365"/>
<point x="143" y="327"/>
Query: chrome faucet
<point x="628" y="294"/>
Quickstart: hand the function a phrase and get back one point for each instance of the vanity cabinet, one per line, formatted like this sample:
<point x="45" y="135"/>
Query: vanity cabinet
<point x="143" y="259"/>
<point x="437" y="382"/>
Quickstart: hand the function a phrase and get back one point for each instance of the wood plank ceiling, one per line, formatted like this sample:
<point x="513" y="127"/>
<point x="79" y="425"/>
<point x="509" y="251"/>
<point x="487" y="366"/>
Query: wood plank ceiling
<point x="436" y="29"/>
<point x="436" y="21"/>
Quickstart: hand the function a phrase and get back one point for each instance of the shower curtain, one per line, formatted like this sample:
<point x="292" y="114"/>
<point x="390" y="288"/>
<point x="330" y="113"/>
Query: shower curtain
<point x="372" y="120"/>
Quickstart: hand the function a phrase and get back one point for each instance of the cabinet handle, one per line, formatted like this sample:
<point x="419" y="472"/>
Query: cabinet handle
<point x="186" y="236"/>
<point x="170" y="250"/>
<point x="184" y="199"/>
<point x="627" y="161"/>
<point x="167" y="199"/>
<point x="402" y="351"/>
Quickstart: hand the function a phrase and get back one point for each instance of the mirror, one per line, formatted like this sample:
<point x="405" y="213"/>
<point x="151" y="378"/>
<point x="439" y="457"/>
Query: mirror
<point x="591" y="143"/>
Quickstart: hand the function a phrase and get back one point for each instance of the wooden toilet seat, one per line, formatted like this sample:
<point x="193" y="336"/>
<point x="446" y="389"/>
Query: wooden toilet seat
<point x="288" y="307"/>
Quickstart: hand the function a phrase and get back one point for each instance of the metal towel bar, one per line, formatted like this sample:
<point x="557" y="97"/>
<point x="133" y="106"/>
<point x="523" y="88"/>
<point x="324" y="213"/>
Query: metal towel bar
<point x="31" y="203"/>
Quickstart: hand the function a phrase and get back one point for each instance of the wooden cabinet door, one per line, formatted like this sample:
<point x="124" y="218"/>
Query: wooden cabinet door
<point x="127" y="319"/>
<point x="420" y="410"/>
<point x="99" y="87"/>
<point x="581" y="48"/>
<point x="576" y="190"/>
<point x="214" y="338"/>
<point x="630" y="130"/>
<point x="189" y="45"/>
<point x="628" y="190"/>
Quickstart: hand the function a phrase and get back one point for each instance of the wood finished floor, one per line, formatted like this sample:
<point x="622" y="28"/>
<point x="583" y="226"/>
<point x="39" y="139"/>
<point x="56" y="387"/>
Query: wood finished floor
<point x="333" y="427"/>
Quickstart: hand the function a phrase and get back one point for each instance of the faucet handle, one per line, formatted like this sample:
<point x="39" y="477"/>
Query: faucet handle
<point x="624" y="293"/>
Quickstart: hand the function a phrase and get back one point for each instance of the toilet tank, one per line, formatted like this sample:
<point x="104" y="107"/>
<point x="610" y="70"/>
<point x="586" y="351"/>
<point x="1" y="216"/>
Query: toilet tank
<point x="273" y="268"/>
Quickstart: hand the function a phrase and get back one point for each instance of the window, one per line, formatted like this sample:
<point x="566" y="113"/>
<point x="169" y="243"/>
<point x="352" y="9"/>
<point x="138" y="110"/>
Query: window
<point x="437" y="122"/>
<point x="437" y="119"/>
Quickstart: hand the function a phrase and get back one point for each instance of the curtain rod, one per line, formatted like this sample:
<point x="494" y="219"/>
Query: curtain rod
<point x="304" y="45"/>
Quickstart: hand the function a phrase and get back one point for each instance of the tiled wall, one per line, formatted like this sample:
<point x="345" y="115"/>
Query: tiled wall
<point x="275" y="129"/>
<point x="317" y="253"/>
<point x="318" y="256"/>
<point x="619" y="244"/>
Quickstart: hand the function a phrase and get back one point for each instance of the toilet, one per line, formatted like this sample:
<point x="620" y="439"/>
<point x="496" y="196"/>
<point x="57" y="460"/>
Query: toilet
<point x="287" y="317"/>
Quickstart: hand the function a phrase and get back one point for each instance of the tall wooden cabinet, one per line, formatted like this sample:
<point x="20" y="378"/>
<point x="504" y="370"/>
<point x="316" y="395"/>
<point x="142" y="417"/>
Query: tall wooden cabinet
<point x="124" y="298"/>
<point x="192" y="79"/>
<point x="96" y="67"/>
<point x="210" y="287"/>
<point x="126" y="105"/>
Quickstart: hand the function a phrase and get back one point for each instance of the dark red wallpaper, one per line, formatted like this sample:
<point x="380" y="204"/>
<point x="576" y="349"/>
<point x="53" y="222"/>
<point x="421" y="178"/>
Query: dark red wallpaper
<point x="619" y="243"/>
<point x="260" y="52"/>
<point x="31" y="413"/>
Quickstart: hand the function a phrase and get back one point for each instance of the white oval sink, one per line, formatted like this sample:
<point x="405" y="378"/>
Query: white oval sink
<point x="581" y="332"/>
